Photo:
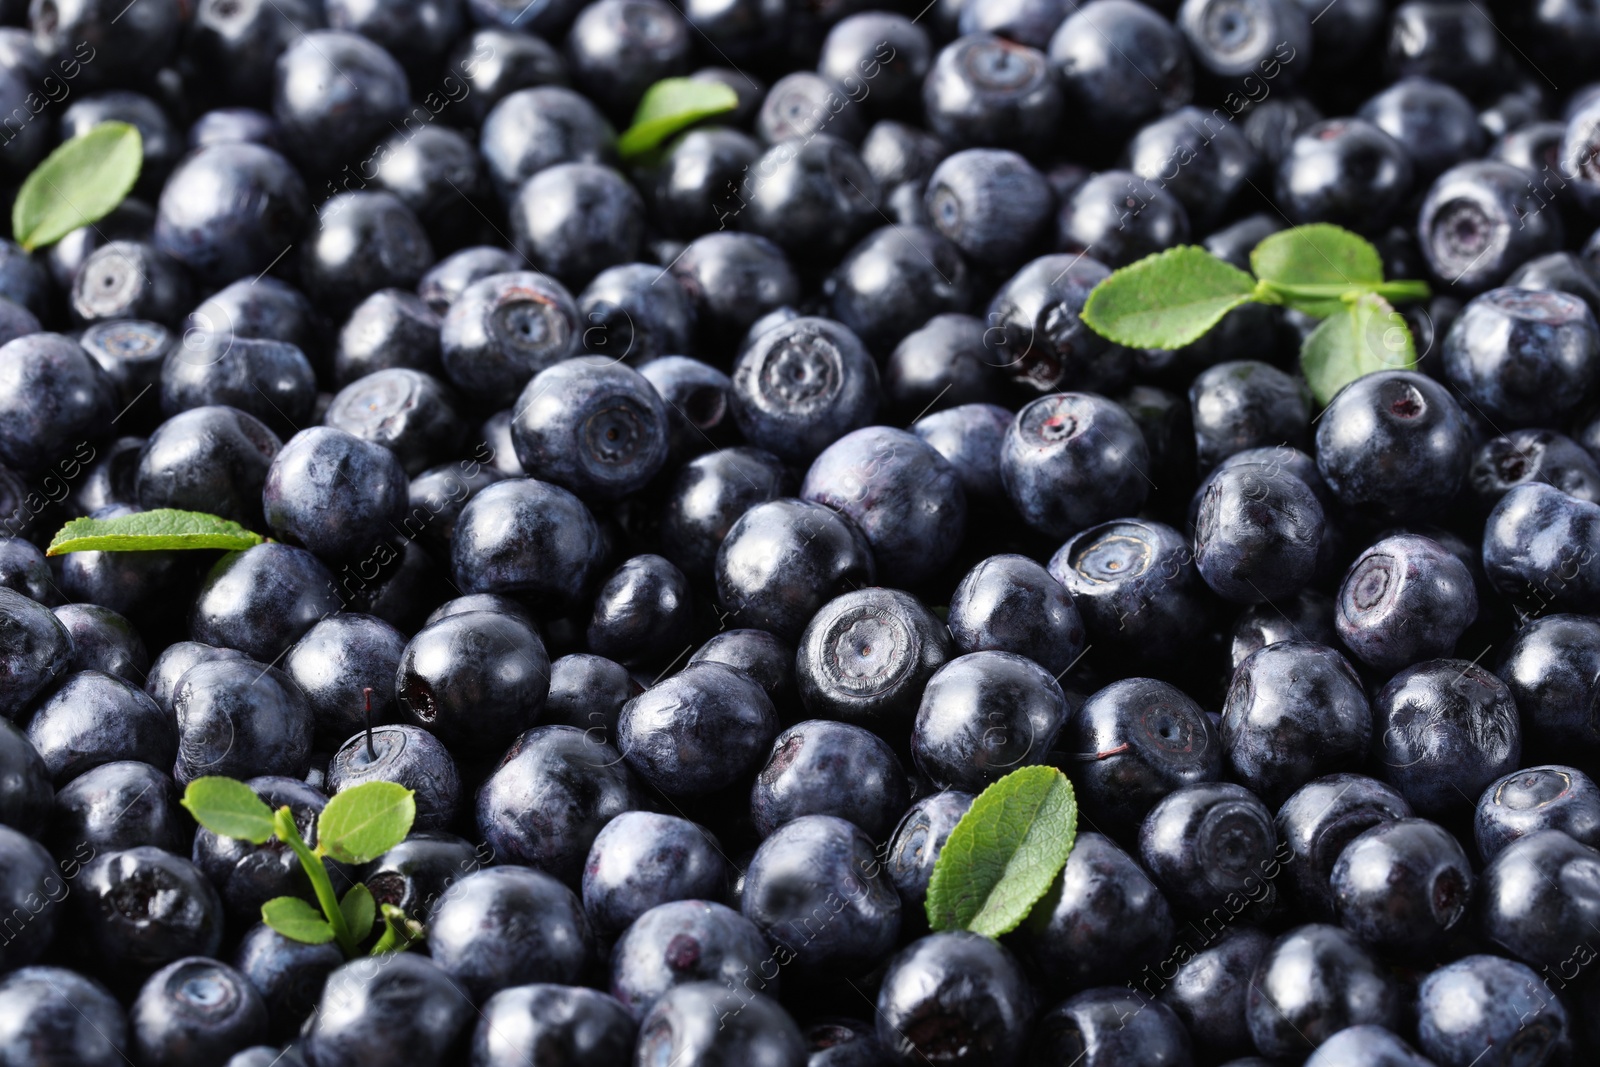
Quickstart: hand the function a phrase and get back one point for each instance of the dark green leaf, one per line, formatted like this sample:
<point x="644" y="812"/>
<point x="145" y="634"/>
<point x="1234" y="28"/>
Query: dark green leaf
<point x="1317" y="255"/>
<point x="1167" y="300"/>
<point x="296" y="920"/>
<point x="1366" y="336"/>
<point x="670" y="105"/>
<point x="360" y="911"/>
<point x="362" y="823"/>
<point x="81" y="182"/>
<point x="152" y="531"/>
<point x="229" y="808"/>
<point x="1004" y="853"/>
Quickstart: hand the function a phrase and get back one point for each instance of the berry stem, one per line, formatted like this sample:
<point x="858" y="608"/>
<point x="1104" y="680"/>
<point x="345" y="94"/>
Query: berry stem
<point x="311" y="862"/>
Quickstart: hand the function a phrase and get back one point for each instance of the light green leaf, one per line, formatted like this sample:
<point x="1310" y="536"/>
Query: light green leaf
<point x="1367" y="335"/>
<point x="152" y="531"/>
<point x="1167" y="300"/>
<point x="1315" y="255"/>
<point x="1004" y="853"/>
<point x="296" y="920"/>
<point x="81" y="182"/>
<point x="670" y="105"/>
<point x="362" y="823"/>
<point x="360" y="910"/>
<point x="229" y="808"/>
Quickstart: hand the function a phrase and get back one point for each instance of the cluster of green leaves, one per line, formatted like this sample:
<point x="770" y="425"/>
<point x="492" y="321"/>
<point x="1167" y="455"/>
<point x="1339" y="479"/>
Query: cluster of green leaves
<point x="671" y="105"/>
<point x="151" y="531"/>
<point x="1174" y="298"/>
<point x="357" y="826"/>
<point x="81" y="182"/>
<point x="1004" y="853"/>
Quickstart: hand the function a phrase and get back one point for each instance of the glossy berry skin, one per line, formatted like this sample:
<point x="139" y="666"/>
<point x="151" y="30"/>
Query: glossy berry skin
<point x="581" y="1025"/>
<point x="1314" y="981"/>
<point x="267" y="309"/>
<point x="815" y="199"/>
<point x="989" y="1025"/>
<point x="1319" y="820"/>
<point x="1120" y="218"/>
<point x="866" y="656"/>
<point x="199" y="223"/>
<point x="872" y="476"/>
<point x="1367" y="1045"/>
<point x="1533" y="799"/>
<point x="36" y="650"/>
<point x="782" y="560"/>
<point x="533" y="129"/>
<point x="1209" y="989"/>
<point x="409" y="1009"/>
<point x="409" y="756"/>
<point x="641" y="613"/>
<point x="1521" y="456"/>
<point x="1443" y="730"/>
<point x="53" y="1015"/>
<point x="1550" y="667"/>
<point x="1523" y="357"/>
<point x="1139" y="740"/>
<point x="803" y="385"/>
<point x="890" y="283"/>
<point x="409" y="412"/>
<point x="24" y="568"/>
<point x="684" y="753"/>
<point x="982" y="716"/>
<point x="31" y="890"/>
<point x="1111" y="1025"/>
<point x="945" y="356"/>
<point x="574" y="220"/>
<point x="248" y="875"/>
<point x="1246" y="404"/>
<point x="1534" y="903"/>
<point x="1491" y="1010"/>
<point x="1258" y="534"/>
<point x="336" y="661"/>
<point x="689" y="941"/>
<point x="889" y="50"/>
<point x="333" y="90"/>
<point x="1405" y="599"/>
<point x="706" y="1024"/>
<point x="1294" y="711"/>
<point x="262" y="600"/>
<point x="1009" y="603"/>
<point x="195" y="1011"/>
<point x="26" y="794"/>
<point x="272" y="380"/>
<point x="990" y="203"/>
<point x="526" y="538"/>
<point x="696" y="398"/>
<point x="818" y="767"/>
<point x="508" y="926"/>
<point x="1233" y="41"/>
<point x="764" y="657"/>
<point x="733" y="279"/>
<point x="333" y="493"/>
<point x="1210" y="844"/>
<point x="1120" y="65"/>
<point x="1034" y="334"/>
<point x="1344" y="171"/>
<point x="505" y="328"/>
<point x="1539" y="548"/>
<point x="801" y="105"/>
<point x="801" y="863"/>
<point x="414" y="875"/>
<point x="1306" y="617"/>
<point x="93" y="718"/>
<point x="628" y="316"/>
<point x="592" y="426"/>
<point x="364" y="241"/>
<point x="1101" y="921"/>
<point x="708" y="495"/>
<point x="1219" y="160"/>
<point x="986" y="90"/>
<point x="288" y="974"/>
<point x="474" y="680"/>
<point x="1393" y="444"/>
<point x="1403" y="886"/>
<point x="130" y="280"/>
<point x="53" y="396"/>
<point x="447" y="279"/>
<point x="1135" y="584"/>
<point x="1480" y="221"/>
<point x="696" y="184"/>
<point x="1072" y="460"/>
<point x="142" y="908"/>
<point x="1435" y="123"/>
<point x="915" y="846"/>
<point x="640" y="860"/>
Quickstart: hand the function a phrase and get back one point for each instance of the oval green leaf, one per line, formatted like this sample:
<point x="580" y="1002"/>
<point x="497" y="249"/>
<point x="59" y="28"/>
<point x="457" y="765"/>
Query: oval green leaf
<point x="296" y="920"/>
<point x="1167" y="300"/>
<point x="229" y="808"/>
<point x="1319" y="254"/>
<point x="152" y="531"/>
<point x="1367" y="335"/>
<point x="81" y="182"/>
<point x="1004" y="853"/>
<point x="362" y="823"/>
<point x="360" y="911"/>
<point x="670" y="105"/>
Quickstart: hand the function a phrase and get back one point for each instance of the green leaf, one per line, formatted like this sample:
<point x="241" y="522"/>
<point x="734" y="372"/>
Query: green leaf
<point x="670" y="105"/>
<point x="1367" y="335"/>
<point x="81" y="182"/>
<point x="362" y="823"/>
<point x="1004" y="853"/>
<point x="1312" y="256"/>
<point x="152" y="531"/>
<point x="296" y="920"/>
<point x="1167" y="300"/>
<point x="360" y="910"/>
<point x="229" y="808"/>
